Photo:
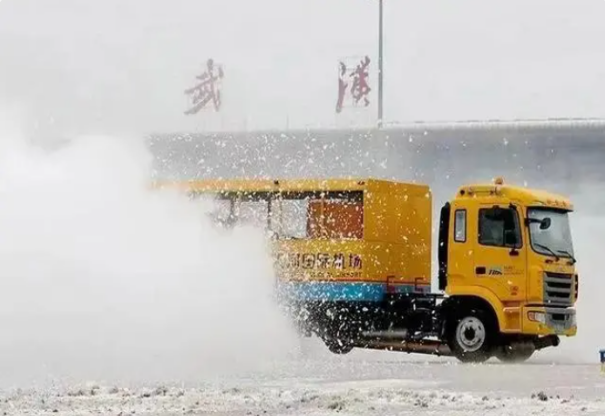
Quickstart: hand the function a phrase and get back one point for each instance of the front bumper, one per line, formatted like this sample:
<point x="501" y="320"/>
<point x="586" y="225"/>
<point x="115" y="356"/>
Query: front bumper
<point x="549" y="321"/>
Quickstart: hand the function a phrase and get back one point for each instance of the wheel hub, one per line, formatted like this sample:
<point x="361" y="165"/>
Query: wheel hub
<point x="470" y="334"/>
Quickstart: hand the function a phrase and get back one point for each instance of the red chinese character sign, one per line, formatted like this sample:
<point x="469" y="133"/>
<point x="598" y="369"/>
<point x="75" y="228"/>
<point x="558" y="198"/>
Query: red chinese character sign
<point x="208" y="89"/>
<point x="353" y="83"/>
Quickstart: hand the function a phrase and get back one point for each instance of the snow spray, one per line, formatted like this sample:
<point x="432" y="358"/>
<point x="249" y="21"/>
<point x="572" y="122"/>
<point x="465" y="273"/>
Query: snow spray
<point x="104" y="279"/>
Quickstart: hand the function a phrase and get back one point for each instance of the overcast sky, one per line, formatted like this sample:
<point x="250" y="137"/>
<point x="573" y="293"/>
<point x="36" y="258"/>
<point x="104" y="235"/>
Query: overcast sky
<point x="122" y="65"/>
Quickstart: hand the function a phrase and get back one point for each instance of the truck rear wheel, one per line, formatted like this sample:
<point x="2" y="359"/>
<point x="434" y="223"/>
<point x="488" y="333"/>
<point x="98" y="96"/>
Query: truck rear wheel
<point x="338" y="346"/>
<point x="471" y="336"/>
<point x="338" y="339"/>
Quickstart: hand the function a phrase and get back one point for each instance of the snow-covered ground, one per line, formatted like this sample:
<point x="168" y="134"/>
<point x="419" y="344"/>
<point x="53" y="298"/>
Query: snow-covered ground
<point x="363" y="383"/>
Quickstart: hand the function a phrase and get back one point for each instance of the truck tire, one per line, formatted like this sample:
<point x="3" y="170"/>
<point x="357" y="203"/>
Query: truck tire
<point x="338" y="346"/>
<point x="338" y="335"/>
<point x="471" y="336"/>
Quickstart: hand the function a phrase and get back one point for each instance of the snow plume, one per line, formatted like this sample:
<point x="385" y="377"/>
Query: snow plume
<point x="103" y="278"/>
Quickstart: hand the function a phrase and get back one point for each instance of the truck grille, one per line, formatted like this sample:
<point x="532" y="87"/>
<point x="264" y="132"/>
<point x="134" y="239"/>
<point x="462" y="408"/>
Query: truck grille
<point x="558" y="289"/>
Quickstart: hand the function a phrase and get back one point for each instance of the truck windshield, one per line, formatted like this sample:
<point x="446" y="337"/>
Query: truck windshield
<point x="554" y="239"/>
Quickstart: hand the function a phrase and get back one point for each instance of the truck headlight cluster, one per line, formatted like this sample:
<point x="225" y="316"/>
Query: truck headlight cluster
<point x="537" y="317"/>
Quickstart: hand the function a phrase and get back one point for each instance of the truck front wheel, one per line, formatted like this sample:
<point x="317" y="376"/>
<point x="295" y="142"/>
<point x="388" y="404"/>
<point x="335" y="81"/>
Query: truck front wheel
<point x="470" y="336"/>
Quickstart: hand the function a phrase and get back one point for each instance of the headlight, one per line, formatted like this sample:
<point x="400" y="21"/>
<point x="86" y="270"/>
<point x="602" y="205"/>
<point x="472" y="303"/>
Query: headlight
<point x="537" y="317"/>
<point x="574" y="320"/>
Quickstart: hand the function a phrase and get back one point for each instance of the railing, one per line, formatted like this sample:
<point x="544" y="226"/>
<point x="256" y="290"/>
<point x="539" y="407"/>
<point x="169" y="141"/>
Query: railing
<point x="420" y="125"/>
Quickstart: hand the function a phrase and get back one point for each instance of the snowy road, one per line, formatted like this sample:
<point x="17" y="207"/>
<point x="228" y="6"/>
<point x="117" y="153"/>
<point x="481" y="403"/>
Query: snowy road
<point x="362" y="383"/>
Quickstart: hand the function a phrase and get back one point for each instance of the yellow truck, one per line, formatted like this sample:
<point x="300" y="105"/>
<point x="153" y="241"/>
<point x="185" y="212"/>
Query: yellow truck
<point x="353" y="263"/>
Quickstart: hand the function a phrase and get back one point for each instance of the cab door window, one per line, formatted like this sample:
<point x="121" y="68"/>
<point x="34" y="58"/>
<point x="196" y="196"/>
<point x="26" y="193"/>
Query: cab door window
<point x="499" y="227"/>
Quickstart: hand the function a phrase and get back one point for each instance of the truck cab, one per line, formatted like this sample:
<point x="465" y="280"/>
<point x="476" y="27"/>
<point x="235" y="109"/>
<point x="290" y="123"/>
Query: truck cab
<point x="511" y="250"/>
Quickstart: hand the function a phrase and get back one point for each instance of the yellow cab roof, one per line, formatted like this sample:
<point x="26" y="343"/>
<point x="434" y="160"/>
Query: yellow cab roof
<point x="284" y="185"/>
<point x="522" y="195"/>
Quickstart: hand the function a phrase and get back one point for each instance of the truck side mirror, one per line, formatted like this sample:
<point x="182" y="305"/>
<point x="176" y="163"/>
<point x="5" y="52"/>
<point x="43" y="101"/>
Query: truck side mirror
<point x="544" y="222"/>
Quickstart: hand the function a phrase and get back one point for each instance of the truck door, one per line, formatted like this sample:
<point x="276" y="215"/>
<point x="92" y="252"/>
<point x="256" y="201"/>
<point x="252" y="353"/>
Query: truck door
<point x="500" y="257"/>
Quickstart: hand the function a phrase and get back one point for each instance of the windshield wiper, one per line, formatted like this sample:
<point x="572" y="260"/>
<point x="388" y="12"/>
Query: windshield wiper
<point x="567" y="253"/>
<point x="542" y="246"/>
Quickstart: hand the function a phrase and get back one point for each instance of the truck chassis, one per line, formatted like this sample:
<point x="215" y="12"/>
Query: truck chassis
<point x="463" y="327"/>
